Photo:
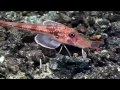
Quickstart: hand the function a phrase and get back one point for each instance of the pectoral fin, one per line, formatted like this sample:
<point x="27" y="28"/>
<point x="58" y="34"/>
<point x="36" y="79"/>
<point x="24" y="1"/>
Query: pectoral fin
<point x="46" y="41"/>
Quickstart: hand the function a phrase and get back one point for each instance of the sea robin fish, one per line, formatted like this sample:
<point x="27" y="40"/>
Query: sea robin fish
<point x="52" y="34"/>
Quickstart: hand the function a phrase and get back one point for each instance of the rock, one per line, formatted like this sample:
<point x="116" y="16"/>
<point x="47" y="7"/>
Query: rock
<point x="113" y="42"/>
<point x="90" y="31"/>
<point x="2" y="58"/>
<point x="115" y="29"/>
<point x="53" y="65"/>
<point x="19" y="75"/>
<point x="94" y="13"/>
<point x="81" y="28"/>
<point x="103" y="24"/>
<point x="103" y="53"/>
<point x="12" y="65"/>
<point x="2" y="36"/>
<point x="96" y="37"/>
<point x="65" y="17"/>
<point x="106" y="72"/>
<point x="114" y="17"/>
<point x="64" y="67"/>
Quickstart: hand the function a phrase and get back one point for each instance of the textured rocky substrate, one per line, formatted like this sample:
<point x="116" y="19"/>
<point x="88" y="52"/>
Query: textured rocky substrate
<point x="22" y="58"/>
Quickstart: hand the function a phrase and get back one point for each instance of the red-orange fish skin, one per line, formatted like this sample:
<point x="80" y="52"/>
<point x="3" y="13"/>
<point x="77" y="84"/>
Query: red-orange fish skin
<point x="62" y="33"/>
<point x="48" y="29"/>
<point x="24" y="26"/>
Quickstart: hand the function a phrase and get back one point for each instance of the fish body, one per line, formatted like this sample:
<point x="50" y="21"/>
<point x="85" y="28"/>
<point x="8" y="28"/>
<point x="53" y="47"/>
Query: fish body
<point x="51" y="34"/>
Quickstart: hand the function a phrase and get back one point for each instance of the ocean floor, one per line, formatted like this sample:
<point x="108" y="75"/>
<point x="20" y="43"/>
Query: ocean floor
<point x="22" y="58"/>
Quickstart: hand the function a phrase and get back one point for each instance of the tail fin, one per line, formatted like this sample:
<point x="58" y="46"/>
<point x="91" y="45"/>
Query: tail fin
<point x="96" y="45"/>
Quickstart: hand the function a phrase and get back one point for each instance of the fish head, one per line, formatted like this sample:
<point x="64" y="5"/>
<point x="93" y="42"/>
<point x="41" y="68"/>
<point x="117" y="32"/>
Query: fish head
<point x="72" y="37"/>
<point x="80" y="41"/>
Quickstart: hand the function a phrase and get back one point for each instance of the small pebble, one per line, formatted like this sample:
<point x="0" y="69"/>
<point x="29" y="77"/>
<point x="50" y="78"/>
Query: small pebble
<point x="96" y="37"/>
<point x="2" y="58"/>
<point x="65" y="17"/>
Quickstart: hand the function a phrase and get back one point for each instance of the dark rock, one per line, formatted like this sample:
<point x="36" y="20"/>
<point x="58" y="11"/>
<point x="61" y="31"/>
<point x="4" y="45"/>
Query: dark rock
<point x="114" y="57"/>
<point x="115" y="29"/>
<point x="81" y="28"/>
<point x="66" y="67"/>
<point x="103" y="24"/>
<point x="114" y="18"/>
<point x="2" y="36"/>
<point x="113" y="42"/>
<point x="100" y="73"/>
<point x="90" y="31"/>
<point x="94" y="13"/>
<point x="12" y="65"/>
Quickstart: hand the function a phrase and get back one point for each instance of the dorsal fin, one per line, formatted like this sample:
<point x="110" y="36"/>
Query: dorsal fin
<point x="50" y="22"/>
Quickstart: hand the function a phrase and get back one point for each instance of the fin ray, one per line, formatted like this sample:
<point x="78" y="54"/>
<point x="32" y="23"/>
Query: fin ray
<point x="50" y="22"/>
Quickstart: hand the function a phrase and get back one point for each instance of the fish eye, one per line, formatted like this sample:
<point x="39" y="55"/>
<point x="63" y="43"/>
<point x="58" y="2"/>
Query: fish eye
<point x="72" y="35"/>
